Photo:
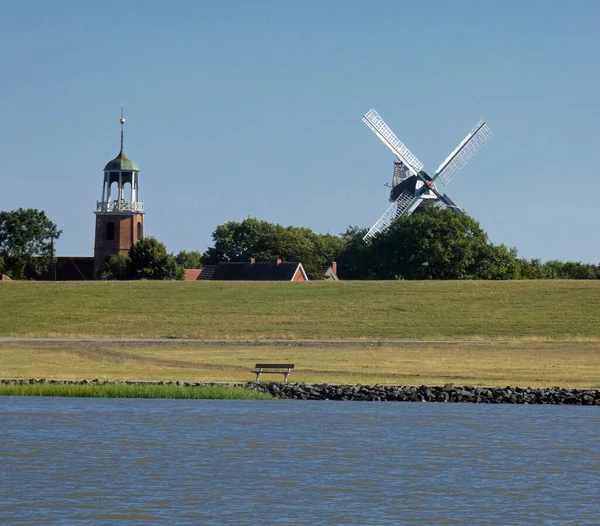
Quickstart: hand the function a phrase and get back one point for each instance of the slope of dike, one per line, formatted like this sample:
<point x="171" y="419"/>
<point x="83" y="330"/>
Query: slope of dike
<point x="426" y="310"/>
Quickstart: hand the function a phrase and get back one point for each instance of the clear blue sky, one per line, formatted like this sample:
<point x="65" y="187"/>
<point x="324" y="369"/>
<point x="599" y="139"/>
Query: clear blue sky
<point x="239" y="108"/>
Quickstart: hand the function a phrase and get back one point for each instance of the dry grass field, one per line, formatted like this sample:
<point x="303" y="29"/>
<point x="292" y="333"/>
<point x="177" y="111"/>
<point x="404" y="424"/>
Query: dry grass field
<point x="526" y="364"/>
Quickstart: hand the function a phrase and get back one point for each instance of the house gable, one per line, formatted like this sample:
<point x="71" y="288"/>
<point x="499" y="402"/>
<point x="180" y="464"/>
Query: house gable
<point x="300" y="275"/>
<point x="192" y="274"/>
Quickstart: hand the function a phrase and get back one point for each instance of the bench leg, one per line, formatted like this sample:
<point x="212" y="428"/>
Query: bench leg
<point x="286" y="377"/>
<point x="258" y="375"/>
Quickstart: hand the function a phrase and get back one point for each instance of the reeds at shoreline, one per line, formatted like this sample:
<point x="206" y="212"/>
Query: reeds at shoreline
<point x="132" y="391"/>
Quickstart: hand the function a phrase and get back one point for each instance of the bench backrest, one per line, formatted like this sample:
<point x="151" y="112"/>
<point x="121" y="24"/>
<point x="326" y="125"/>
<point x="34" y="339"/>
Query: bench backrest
<point x="274" y="366"/>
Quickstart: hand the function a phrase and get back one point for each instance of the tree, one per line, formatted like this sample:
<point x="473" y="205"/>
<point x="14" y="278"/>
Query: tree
<point x="355" y="260"/>
<point x="192" y="259"/>
<point x="264" y="241"/>
<point x="439" y="244"/>
<point x="235" y="241"/>
<point x="290" y="245"/>
<point x="497" y="262"/>
<point x="531" y="269"/>
<point x="579" y="270"/>
<point x="149" y="259"/>
<point x="26" y="237"/>
<point x="117" y="266"/>
<point x="554" y="269"/>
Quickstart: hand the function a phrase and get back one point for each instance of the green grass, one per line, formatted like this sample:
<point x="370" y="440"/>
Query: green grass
<point x="538" y="310"/>
<point x="132" y="391"/>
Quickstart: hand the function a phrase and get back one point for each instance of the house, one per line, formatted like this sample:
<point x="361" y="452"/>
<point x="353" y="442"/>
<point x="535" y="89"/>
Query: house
<point x="4" y="277"/>
<point x="66" y="268"/>
<point x="276" y="270"/>
<point x="330" y="271"/>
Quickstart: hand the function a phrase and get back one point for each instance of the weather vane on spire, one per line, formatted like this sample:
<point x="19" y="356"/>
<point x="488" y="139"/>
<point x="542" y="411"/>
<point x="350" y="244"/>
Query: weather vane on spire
<point x="122" y="121"/>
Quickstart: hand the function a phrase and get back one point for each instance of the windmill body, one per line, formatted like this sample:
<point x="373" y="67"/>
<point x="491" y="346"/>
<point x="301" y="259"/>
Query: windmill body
<point x="413" y="188"/>
<point x="411" y="183"/>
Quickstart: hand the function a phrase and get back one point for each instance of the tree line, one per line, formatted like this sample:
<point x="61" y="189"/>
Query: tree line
<point x="430" y="244"/>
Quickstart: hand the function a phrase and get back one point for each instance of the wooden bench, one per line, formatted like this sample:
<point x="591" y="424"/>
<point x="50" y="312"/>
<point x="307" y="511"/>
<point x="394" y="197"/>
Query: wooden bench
<point x="282" y="368"/>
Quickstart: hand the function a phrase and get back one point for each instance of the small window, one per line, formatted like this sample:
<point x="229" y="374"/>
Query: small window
<point x="110" y="231"/>
<point x="139" y="232"/>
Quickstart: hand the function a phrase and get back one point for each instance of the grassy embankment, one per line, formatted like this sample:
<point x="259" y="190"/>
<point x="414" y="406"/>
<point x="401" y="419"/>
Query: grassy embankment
<point x="553" y="328"/>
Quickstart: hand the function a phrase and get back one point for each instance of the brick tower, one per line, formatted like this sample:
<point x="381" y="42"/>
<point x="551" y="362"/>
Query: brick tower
<point x="120" y="214"/>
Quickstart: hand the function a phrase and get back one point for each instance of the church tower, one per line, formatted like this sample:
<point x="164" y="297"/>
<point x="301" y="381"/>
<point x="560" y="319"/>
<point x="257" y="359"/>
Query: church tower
<point x="120" y="214"/>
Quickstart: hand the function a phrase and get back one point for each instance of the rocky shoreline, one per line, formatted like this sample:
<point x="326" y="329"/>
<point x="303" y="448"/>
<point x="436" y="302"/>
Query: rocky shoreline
<point x="447" y="393"/>
<point x="382" y="393"/>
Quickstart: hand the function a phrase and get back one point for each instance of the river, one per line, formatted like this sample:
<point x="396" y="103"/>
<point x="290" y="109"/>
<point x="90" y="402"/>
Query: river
<point x="123" y="461"/>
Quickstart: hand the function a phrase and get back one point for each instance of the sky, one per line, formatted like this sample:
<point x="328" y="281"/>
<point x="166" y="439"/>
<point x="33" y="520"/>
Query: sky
<point x="242" y="109"/>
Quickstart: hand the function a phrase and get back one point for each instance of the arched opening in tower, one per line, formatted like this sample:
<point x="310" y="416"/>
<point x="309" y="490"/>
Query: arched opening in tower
<point x="112" y="190"/>
<point x="110" y="231"/>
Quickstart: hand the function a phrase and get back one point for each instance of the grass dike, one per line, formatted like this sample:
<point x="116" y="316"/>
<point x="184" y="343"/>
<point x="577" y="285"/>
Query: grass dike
<point x="555" y="310"/>
<point x="483" y="333"/>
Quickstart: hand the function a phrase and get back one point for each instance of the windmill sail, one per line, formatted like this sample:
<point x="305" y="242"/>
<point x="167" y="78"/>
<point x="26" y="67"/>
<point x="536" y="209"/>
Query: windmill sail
<point x="387" y="136"/>
<point x="405" y="204"/>
<point x="466" y="149"/>
<point x="448" y="203"/>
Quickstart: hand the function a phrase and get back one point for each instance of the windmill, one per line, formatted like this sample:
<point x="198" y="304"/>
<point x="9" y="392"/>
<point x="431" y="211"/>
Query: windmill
<point x="411" y="186"/>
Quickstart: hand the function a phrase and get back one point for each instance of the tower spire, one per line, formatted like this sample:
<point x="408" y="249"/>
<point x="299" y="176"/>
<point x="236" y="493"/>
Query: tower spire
<point x="122" y="121"/>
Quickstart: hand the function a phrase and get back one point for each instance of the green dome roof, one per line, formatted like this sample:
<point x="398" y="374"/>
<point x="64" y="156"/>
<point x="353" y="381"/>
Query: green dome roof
<point x="121" y="162"/>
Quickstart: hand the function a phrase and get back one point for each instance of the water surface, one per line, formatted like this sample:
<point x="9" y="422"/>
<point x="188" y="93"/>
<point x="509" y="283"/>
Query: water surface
<point x="69" y="460"/>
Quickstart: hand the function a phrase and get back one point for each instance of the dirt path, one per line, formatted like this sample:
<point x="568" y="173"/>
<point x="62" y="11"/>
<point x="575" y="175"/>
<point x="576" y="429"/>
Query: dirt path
<point x="294" y="343"/>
